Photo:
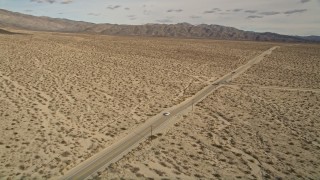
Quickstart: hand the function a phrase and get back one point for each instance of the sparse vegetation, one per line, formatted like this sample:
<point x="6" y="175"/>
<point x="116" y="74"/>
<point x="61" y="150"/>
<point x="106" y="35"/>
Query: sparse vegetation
<point x="249" y="132"/>
<point x="66" y="97"/>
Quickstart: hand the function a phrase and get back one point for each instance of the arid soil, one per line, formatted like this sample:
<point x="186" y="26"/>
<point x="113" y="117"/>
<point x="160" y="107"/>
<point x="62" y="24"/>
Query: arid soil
<point x="289" y="66"/>
<point x="263" y="125"/>
<point x="65" y="97"/>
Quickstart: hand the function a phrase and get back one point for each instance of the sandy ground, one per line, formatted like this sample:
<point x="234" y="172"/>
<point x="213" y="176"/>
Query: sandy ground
<point x="263" y="125"/>
<point x="65" y="97"/>
<point x="289" y="66"/>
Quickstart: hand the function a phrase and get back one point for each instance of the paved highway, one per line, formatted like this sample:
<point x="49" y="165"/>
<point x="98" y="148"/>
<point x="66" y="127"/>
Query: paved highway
<point x="116" y="151"/>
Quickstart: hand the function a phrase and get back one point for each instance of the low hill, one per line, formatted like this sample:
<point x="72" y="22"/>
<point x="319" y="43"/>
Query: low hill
<point x="2" y="31"/>
<point x="183" y="30"/>
<point x="312" y="38"/>
<point x="190" y="31"/>
<point x="29" y="22"/>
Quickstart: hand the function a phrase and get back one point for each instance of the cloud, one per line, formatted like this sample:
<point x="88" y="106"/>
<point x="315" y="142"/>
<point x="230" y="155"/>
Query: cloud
<point x="250" y="11"/>
<point x="94" y="14"/>
<point x="254" y="17"/>
<point x="164" y="20"/>
<point x="214" y="10"/>
<point x="269" y="13"/>
<point x="237" y="10"/>
<point x="305" y="1"/>
<point x="195" y="17"/>
<point x="276" y="16"/>
<point x="66" y="1"/>
<point x="42" y="1"/>
<point x="175" y="10"/>
<point x="53" y="1"/>
<point x="295" y="11"/>
<point x="113" y="7"/>
<point x="146" y="12"/>
<point x="209" y="12"/>
<point x="132" y="17"/>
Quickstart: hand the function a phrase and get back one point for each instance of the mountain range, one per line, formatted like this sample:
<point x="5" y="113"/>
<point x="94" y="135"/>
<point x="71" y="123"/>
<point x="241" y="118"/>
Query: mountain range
<point x="16" y="20"/>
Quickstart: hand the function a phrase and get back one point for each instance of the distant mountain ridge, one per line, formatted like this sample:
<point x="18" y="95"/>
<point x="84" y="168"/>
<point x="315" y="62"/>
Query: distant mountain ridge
<point x="312" y="38"/>
<point x="29" y="22"/>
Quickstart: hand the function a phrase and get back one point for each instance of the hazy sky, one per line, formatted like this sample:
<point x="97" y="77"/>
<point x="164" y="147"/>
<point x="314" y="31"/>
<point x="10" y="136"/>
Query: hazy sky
<point x="293" y="17"/>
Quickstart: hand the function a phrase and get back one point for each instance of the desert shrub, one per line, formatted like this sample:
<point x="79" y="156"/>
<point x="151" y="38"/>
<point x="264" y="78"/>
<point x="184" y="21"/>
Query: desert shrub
<point x="65" y="154"/>
<point x="135" y="169"/>
<point x="160" y="173"/>
<point x="163" y="164"/>
<point x="21" y="167"/>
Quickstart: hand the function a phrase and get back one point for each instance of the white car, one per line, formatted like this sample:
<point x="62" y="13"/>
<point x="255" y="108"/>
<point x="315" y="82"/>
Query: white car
<point x="166" y="114"/>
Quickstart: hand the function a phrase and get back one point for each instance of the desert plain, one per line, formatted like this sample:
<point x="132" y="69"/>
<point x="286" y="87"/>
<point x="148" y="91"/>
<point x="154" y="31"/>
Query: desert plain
<point x="65" y="97"/>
